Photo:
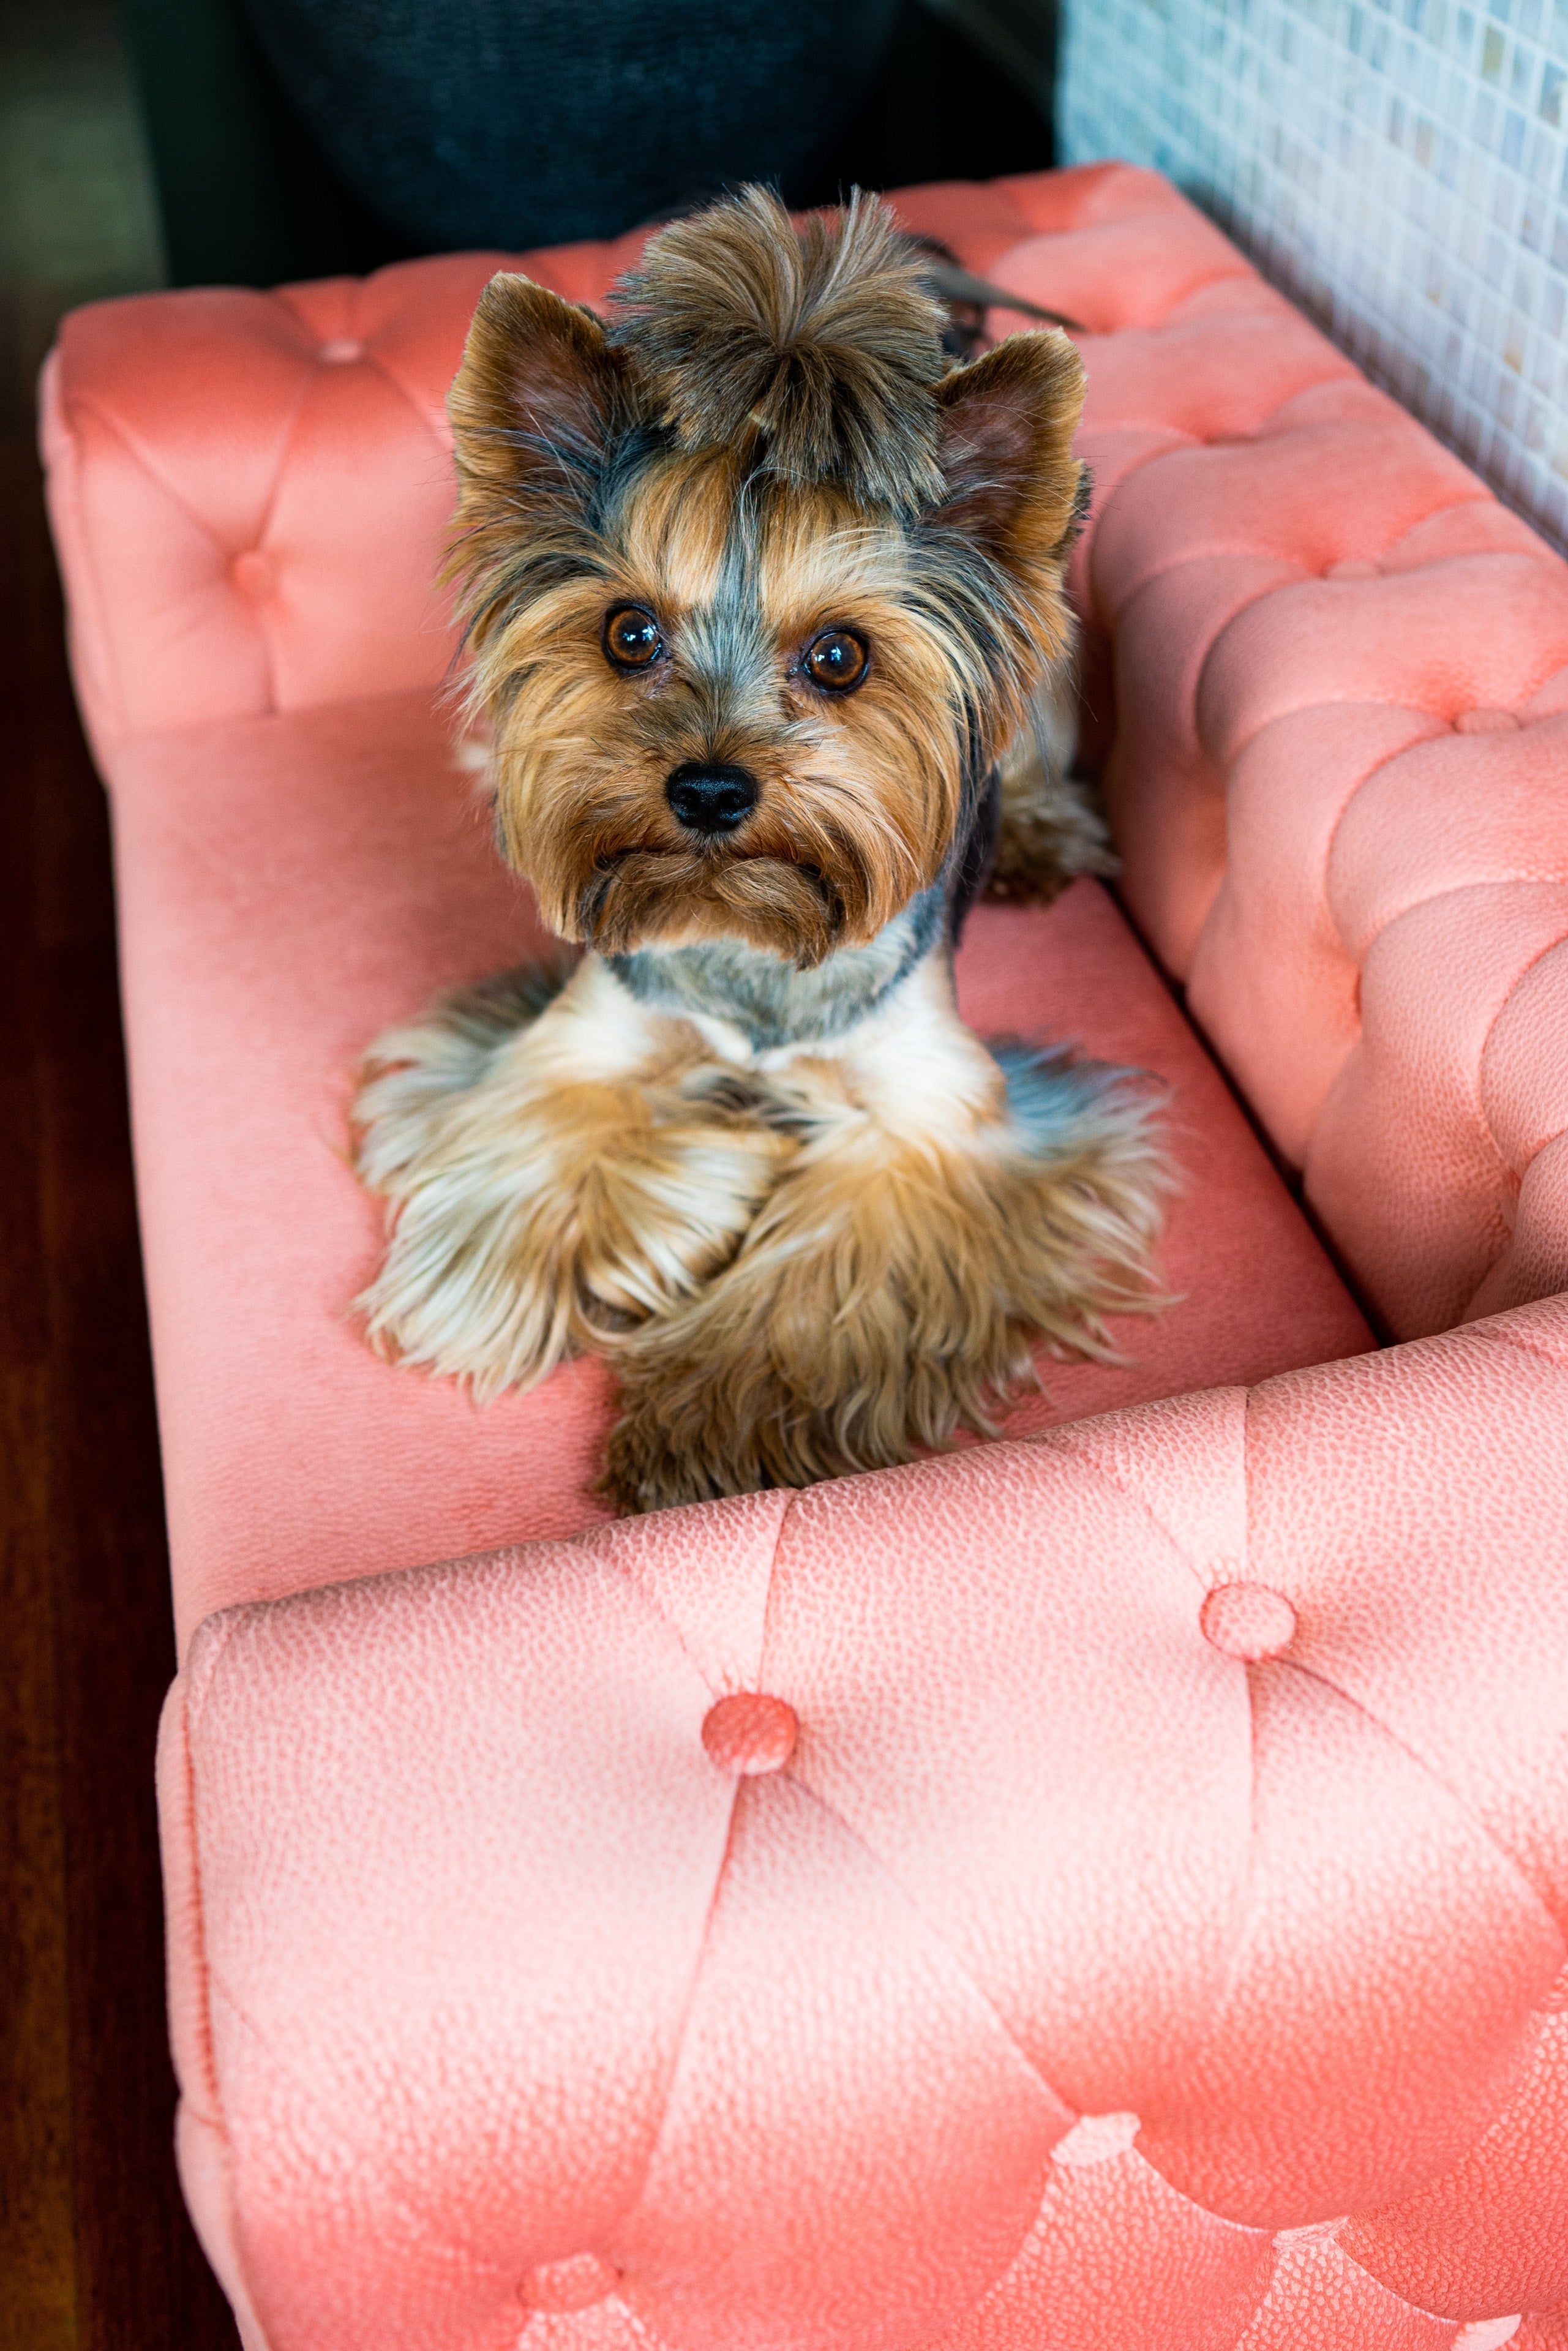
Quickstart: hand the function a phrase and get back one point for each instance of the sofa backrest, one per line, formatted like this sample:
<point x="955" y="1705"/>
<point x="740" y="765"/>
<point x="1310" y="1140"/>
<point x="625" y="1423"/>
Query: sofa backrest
<point x="1338" y="668"/>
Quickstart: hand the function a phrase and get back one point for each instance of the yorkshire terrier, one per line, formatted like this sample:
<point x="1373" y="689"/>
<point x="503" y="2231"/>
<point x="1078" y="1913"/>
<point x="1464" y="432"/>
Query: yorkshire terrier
<point x="765" y="604"/>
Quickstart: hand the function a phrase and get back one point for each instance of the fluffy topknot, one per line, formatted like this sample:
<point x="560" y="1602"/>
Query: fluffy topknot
<point x="821" y="346"/>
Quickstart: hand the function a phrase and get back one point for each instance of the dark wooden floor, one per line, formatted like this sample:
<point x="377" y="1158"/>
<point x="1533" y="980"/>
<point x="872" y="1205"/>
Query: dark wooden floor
<point x="95" y="2249"/>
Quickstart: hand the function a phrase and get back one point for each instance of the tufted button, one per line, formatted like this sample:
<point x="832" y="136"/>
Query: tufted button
<point x="1352" y="568"/>
<point x="1485" y="722"/>
<point x="1095" y="2138"/>
<point x="1248" y="1620"/>
<point x="575" y="2283"/>
<point x="255" y="575"/>
<point x="342" y="351"/>
<point x="749" y="1732"/>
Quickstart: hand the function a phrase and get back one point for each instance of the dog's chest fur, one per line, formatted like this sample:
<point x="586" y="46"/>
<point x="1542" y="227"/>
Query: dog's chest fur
<point x="773" y="1005"/>
<point x="769" y="1001"/>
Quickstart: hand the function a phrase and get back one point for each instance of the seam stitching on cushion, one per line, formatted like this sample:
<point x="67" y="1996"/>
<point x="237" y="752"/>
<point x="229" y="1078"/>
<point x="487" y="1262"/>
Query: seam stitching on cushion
<point x="1404" y="2301"/>
<point x="1249" y="440"/>
<point x="1247" y="1890"/>
<point x="290" y="431"/>
<point x="309" y="333"/>
<point x="884" y="1868"/>
<point x="144" y="460"/>
<point x="1247" y="603"/>
<point x="1472" y="1076"/>
<point x="635" y="1582"/>
<point x="1301" y="576"/>
<point x="133" y="450"/>
<point x="1515" y="1871"/>
<point x="87" y="545"/>
<point x="1524" y="880"/>
<point x="1261" y="2235"/>
<point x="1520" y="978"/>
<point x="147" y="458"/>
<point x="372" y="358"/>
<point x="688" y="2005"/>
<point x="1127" y="1493"/>
<point x="1107" y="622"/>
<point x="657" y="2141"/>
<point x="1429" y="1770"/>
<point x="785" y="1515"/>
<point x="1477" y="495"/>
<point x="1521" y="1346"/>
<point x="1377" y="768"/>
<point x="668" y="1623"/>
<point x="218" y="1644"/>
<point x="1246" y="1877"/>
<point x="1357" y="701"/>
<point x="197" y="1898"/>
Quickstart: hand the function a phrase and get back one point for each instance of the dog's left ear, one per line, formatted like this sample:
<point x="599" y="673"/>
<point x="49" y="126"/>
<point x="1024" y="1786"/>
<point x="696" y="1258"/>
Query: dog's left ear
<point x="1013" y="485"/>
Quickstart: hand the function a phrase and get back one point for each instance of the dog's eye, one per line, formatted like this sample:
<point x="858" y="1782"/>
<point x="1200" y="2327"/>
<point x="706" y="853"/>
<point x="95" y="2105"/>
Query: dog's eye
<point x="632" y="637"/>
<point x="837" y="661"/>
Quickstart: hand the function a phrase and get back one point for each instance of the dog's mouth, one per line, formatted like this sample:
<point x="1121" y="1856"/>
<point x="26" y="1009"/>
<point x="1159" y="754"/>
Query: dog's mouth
<point x="670" y="896"/>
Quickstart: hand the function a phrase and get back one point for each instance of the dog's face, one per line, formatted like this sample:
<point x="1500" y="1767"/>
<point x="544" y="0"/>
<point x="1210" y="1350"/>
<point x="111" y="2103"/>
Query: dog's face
<point x="733" y="697"/>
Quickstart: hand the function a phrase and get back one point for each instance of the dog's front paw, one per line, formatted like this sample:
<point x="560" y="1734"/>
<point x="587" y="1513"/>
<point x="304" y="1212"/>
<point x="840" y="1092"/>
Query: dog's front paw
<point x="890" y="1292"/>
<point x="692" y="1430"/>
<point x="533" y="1223"/>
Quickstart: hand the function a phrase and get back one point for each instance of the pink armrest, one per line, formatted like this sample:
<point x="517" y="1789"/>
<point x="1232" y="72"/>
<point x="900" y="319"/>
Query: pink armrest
<point x="1154" y="1937"/>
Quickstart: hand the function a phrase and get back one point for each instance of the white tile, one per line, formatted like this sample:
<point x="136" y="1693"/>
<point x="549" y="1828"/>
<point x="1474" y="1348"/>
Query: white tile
<point x="1403" y="171"/>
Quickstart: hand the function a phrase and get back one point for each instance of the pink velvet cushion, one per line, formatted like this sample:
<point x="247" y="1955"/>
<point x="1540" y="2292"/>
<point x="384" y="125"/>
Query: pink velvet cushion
<point x="1135" y="1924"/>
<point x="289" y="885"/>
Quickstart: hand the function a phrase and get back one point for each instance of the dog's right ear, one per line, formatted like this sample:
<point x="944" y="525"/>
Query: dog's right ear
<point x="536" y="403"/>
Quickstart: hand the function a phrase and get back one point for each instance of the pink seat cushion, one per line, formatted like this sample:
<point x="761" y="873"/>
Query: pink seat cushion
<point x="290" y="885"/>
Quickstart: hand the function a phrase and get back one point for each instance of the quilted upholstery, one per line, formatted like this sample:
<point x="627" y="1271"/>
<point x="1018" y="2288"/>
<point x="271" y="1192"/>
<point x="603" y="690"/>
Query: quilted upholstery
<point x="1154" y="1936"/>
<point x="1137" y="1921"/>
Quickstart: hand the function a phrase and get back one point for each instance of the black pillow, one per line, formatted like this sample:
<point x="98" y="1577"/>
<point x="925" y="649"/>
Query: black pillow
<point x="527" y="122"/>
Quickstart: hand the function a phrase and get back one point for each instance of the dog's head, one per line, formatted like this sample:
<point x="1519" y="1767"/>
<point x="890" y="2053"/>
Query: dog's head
<point x="755" y="589"/>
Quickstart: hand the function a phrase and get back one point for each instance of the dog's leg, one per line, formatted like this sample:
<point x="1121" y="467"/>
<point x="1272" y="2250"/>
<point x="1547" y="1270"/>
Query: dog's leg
<point x="558" y="1169"/>
<point x="946" y="1206"/>
<point x="1053" y="825"/>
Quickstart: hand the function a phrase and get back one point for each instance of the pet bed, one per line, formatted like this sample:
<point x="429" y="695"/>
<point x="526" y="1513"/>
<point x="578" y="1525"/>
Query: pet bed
<point x="1103" y="1889"/>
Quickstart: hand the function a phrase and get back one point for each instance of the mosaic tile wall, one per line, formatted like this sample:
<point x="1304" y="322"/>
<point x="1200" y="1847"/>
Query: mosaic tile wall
<point x="1398" y="167"/>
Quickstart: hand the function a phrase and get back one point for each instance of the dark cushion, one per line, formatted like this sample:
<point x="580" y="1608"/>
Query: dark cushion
<point x="530" y="122"/>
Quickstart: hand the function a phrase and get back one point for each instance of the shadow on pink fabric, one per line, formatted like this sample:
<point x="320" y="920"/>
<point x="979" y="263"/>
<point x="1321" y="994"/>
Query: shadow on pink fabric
<point x="1101" y="1891"/>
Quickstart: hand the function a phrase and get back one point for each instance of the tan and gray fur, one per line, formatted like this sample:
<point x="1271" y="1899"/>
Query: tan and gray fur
<point x="744" y="1147"/>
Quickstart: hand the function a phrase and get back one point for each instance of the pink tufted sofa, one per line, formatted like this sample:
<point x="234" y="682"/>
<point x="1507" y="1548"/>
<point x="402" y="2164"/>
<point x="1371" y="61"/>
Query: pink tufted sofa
<point x="1104" y="1890"/>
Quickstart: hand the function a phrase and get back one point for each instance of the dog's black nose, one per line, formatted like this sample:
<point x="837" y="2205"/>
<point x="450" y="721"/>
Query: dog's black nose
<point x="711" y="800"/>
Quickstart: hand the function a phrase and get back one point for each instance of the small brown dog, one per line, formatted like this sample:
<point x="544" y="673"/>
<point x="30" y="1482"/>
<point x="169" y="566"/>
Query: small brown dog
<point x="765" y="604"/>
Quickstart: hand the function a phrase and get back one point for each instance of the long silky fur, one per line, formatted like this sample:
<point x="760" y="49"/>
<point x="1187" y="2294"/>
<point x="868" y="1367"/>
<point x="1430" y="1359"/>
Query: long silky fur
<point x="813" y="1245"/>
<point x="823" y="346"/>
<point x="888" y="1291"/>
